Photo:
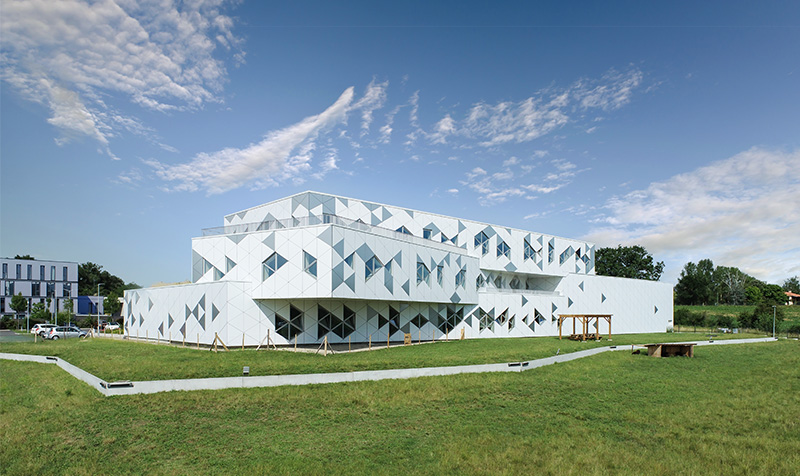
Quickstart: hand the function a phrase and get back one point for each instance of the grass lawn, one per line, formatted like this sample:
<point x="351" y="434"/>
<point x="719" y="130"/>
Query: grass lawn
<point x="124" y="360"/>
<point x="730" y="410"/>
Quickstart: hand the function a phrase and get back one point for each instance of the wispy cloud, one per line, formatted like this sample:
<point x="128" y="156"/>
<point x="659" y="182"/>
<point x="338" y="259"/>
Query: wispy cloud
<point x="285" y="154"/>
<point x="491" y="125"/>
<point x="69" y="54"/>
<point x="743" y="211"/>
<point x="374" y="98"/>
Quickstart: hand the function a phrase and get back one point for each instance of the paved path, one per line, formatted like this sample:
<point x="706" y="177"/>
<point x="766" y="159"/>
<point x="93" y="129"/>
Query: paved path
<point x="11" y="336"/>
<point x="155" y="386"/>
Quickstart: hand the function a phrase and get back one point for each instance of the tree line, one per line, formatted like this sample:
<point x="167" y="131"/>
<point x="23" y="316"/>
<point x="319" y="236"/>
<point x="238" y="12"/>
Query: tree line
<point x="702" y="283"/>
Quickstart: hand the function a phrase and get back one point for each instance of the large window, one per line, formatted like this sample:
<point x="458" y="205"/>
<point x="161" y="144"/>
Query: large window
<point x="404" y="230"/>
<point x="461" y="278"/>
<point x="36" y="289"/>
<point x="503" y="249"/>
<point x="426" y="233"/>
<point x="65" y="274"/>
<point x="271" y="265"/>
<point x="483" y="241"/>
<point x="309" y="264"/>
<point x="480" y="281"/>
<point x="41" y="273"/>
<point x="423" y="273"/>
<point x="439" y="273"/>
<point x="289" y="328"/>
<point x="30" y="271"/>
<point x="51" y="290"/>
<point x="372" y="266"/>
<point x="66" y="289"/>
<point x="9" y="291"/>
<point x="530" y="253"/>
<point x="19" y="271"/>
<point x="52" y="273"/>
<point x="453" y="240"/>
<point x="550" y="252"/>
<point x="5" y="270"/>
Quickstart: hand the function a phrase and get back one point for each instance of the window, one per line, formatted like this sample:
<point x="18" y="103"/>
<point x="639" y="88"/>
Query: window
<point x="19" y="271"/>
<point x="65" y="274"/>
<point x="426" y="233"/>
<point x="530" y="253"/>
<point x="404" y="230"/>
<point x="503" y="249"/>
<point x="461" y="278"/>
<point x="514" y="283"/>
<point x="567" y="254"/>
<point x="483" y="241"/>
<point x="30" y="271"/>
<point x="271" y="265"/>
<point x="5" y="270"/>
<point x="52" y="273"/>
<point x="36" y="289"/>
<point x="372" y="266"/>
<point x="439" y="273"/>
<point x="51" y="290"/>
<point x="9" y="288"/>
<point x="550" y="252"/>
<point x="485" y="321"/>
<point x="66" y="289"/>
<point x="498" y="282"/>
<point x="289" y="328"/>
<point x="309" y="264"/>
<point x="423" y="273"/>
<point x="452" y="240"/>
<point x="388" y="267"/>
<point x="41" y="273"/>
<point x="480" y="281"/>
<point x="349" y="260"/>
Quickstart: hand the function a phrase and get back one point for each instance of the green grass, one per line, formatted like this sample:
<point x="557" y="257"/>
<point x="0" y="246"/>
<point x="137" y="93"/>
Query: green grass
<point x="730" y="410"/>
<point x="125" y="360"/>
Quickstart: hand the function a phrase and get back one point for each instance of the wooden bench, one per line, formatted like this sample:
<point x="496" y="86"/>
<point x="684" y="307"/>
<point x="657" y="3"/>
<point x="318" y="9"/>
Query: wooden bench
<point x="670" y="350"/>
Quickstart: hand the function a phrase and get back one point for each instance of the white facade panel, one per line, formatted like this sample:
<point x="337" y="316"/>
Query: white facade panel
<point x="313" y="265"/>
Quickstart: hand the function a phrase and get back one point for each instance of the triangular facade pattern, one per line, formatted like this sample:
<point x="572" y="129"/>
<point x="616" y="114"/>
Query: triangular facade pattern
<point x="313" y="265"/>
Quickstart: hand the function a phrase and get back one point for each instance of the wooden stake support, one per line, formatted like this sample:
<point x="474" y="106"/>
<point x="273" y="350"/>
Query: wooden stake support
<point x="218" y="340"/>
<point x="268" y="340"/>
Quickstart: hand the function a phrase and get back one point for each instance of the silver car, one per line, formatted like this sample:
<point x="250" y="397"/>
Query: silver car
<point x="42" y="329"/>
<point x="64" y="332"/>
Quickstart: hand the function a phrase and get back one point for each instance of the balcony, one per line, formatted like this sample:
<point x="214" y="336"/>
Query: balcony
<point x="327" y="219"/>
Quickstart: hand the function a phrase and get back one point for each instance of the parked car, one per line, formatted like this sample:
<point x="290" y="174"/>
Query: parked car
<point x="111" y="326"/>
<point x="42" y="329"/>
<point x="65" y="332"/>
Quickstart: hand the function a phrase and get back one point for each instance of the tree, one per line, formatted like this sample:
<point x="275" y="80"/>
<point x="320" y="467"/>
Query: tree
<point x="774" y="295"/>
<point x="695" y="285"/>
<point x="111" y="304"/>
<point x="730" y="285"/>
<point x="792" y="285"/>
<point x="67" y="312"/>
<point x="91" y="274"/>
<point x="753" y="295"/>
<point x="24" y="257"/>
<point x="628" y="262"/>
<point x="39" y="312"/>
<point x="19" y="304"/>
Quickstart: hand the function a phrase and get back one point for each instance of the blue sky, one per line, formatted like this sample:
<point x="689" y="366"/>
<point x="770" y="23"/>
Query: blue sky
<point x="127" y="127"/>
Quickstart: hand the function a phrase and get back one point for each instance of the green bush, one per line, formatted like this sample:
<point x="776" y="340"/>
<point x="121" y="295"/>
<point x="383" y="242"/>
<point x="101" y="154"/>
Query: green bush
<point x="7" y="323"/>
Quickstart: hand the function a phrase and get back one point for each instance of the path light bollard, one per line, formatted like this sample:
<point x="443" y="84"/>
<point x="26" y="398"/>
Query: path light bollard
<point x="388" y="335"/>
<point x="242" y="340"/>
<point x="295" y="342"/>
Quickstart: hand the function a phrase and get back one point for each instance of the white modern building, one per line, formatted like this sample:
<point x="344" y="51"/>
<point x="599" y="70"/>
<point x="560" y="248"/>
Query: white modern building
<point x="314" y="265"/>
<point x="37" y="281"/>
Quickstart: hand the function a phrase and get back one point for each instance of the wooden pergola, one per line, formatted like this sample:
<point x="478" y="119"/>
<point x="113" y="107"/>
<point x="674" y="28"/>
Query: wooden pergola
<point x="585" y="320"/>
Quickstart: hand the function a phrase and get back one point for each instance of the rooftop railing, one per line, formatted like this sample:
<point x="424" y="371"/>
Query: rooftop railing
<point x="519" y="291"/>
<point x="325" y="219"/>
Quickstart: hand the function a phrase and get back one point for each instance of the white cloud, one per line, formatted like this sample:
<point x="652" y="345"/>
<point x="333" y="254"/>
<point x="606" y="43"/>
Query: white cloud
<point x="544" y="112"/>
<point x="69" y="54"/>
<point x="743" y="211"/>
<point x="374" y="98"/>
<point x="285" y="154"/>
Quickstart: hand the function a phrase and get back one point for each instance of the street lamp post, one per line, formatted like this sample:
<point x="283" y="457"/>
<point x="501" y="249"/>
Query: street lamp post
<point x="98" y="307"/>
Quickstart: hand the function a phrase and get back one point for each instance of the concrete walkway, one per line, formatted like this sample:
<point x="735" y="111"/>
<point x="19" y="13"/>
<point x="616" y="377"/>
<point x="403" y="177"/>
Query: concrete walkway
<point x="155" y="386"/>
